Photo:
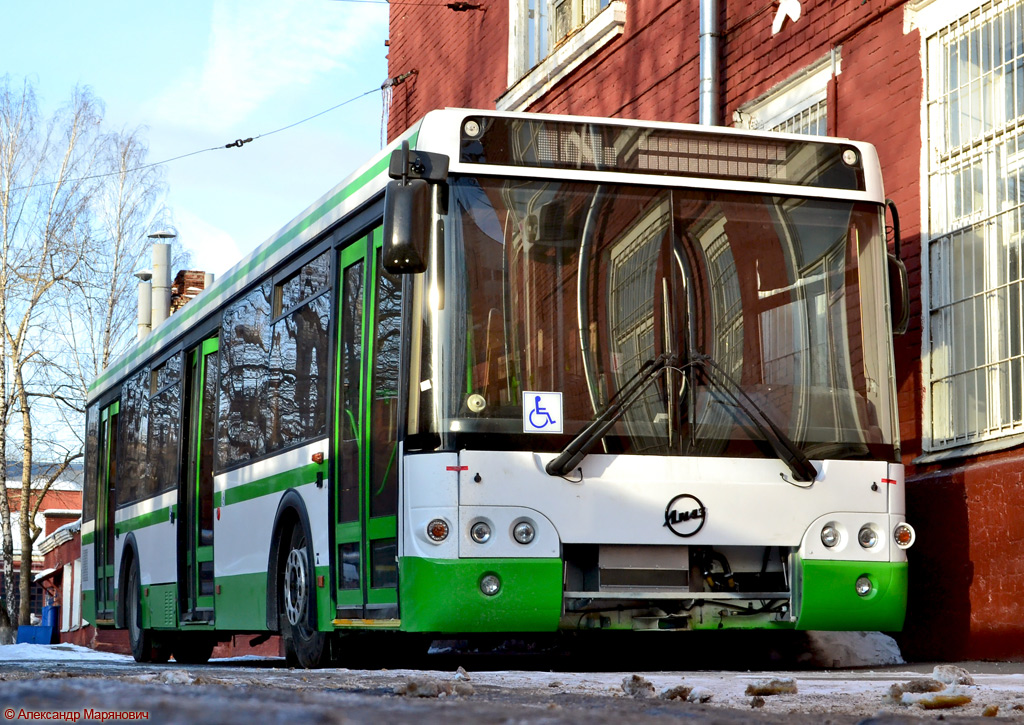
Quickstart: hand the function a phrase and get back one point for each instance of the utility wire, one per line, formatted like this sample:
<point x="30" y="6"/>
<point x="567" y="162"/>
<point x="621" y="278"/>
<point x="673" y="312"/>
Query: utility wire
<point x="238" y="143"/>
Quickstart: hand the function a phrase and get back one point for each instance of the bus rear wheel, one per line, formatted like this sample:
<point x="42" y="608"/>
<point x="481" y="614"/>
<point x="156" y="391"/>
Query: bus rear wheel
<point x="304" y="645"/>
<point x="146" y="646"/>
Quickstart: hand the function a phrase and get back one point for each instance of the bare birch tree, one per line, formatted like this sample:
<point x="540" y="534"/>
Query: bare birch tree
<point x="73" y="212"/>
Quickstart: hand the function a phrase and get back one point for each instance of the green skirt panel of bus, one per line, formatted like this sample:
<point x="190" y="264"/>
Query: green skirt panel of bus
<point x="446" y="595"/>
<point x="829" y="598"/>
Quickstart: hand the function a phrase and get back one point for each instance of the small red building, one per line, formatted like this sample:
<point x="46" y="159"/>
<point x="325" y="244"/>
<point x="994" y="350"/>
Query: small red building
<point x="60" y="504"/>
<point x="938" y="87"/>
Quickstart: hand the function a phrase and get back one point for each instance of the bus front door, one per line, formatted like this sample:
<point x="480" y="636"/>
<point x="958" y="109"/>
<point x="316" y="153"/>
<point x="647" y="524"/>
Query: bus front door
<point x="195" y="561"/>
<point x="366" y="442"/>
<point x="104" y="534"/>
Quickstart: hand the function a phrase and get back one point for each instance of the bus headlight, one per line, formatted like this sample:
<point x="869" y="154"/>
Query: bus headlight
<point x="523" y="532"/>
<point x="829" y="535"/>
<point x="904" y="535"/>
<point x="490" y="584"/>
<point x="868" y="536"/>
<point x="480" y="532"/>
<point x="863" y="586"/>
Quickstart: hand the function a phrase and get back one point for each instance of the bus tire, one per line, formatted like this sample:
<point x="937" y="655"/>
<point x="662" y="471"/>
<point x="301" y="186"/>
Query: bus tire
<point x="304" y="645"/>
<point x="146" y="646"/>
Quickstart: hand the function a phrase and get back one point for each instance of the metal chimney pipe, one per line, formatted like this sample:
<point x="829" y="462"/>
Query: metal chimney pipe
<point x="145" y="322"/>
<point x="161" y="283"/>
<point x="709" y="69"/>
<point x="208" y="280"/>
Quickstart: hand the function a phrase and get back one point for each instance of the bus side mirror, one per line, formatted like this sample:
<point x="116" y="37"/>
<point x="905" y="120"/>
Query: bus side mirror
<point x="407" y="216"/>
<point x="899" y="294"/>
<point x="899" y="286"/>
<point x="406" y="226"/>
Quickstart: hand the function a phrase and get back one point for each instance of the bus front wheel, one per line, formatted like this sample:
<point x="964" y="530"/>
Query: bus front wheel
<point x="304" y="644"/>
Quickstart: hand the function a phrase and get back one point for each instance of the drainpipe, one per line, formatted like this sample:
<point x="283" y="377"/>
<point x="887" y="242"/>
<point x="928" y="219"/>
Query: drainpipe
<point x="709" y="72"/>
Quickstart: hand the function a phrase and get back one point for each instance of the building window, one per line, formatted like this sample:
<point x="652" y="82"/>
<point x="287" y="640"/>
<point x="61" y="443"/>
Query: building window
<point x="975" y="294"/>
<point x="812" y="120"/>
<point x="548" y="39"/>
<point x="797" y="105"/>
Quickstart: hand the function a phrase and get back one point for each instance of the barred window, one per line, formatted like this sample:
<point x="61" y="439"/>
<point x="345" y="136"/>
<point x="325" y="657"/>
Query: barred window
<point x="976" y="195"/>
<point x="798" y="104"/>
<point x="812" y="120"/>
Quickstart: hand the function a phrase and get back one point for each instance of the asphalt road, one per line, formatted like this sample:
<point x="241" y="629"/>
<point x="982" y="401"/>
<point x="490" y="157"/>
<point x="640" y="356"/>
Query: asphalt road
<point x="502" y="687"/>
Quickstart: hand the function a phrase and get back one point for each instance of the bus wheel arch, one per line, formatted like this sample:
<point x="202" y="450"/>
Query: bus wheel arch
<point x="145" y="645"/>
<point x="291" y="512"/>
<point x="291" y="588"/>
<point x="129" y="556"/>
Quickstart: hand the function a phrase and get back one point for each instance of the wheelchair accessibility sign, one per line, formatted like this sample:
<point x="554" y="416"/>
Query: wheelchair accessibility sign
<point x="542" y="412"/>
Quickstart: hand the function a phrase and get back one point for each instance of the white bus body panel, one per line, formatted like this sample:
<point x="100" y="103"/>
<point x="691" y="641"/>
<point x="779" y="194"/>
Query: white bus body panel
<point x="430" y="490"/>
<point x="243" y="530"/>
<point x="157" y="544"/>
<point x="623" y="499"/>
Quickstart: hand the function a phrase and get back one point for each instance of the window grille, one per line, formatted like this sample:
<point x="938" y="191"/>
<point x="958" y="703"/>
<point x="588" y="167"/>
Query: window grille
<point x="976" y="197"/>
<point x="812" y="120"/>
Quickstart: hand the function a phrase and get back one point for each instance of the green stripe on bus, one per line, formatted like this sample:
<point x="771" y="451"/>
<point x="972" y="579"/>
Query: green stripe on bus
<point x="241" y="602"/>
<point x="269" y="485"/>
<point x="829" y="599"/>
<point x="178" y="319"/>
<point x="160" y="516"/>
<point x="443" y="595"/>
<point x="88" y="538"/>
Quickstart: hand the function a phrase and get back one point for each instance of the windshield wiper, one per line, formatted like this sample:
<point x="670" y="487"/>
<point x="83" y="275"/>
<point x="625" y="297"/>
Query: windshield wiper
<point x="785" y="449"/>
<point x="583" y="441"/>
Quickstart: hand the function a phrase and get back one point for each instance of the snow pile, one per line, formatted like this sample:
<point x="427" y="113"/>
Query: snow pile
<point x="852" y="649"/>
<point x="65" y="652"/>
<point x="638" y="687"/>
<point x="949" y="686"/>
<point x="774" y="686"/>
<point x="430" y="687"/>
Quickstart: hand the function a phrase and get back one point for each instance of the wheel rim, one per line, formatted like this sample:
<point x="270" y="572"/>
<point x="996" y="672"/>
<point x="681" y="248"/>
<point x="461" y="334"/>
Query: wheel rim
<point x="295" y="587"/>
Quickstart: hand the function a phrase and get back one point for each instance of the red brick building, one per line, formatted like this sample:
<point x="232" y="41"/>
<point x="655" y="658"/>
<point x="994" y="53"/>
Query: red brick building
<point x="938" y="87"/>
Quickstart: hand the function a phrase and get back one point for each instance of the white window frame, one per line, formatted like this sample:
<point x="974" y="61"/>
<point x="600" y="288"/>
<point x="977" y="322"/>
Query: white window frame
<point x="993" y="424"/>
<point x="803" y="93"/>
<point x="597" y="28"/>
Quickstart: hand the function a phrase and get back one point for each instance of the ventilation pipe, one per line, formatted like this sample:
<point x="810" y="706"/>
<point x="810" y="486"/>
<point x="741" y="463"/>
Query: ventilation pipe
<point x="161" y="277"/>
<point x="145" y="303"/>
<point x="709" y="71"/>
<point x="208" y="279"/>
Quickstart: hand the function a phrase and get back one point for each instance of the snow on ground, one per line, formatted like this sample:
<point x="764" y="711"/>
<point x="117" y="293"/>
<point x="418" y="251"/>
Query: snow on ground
<point x="63" y="652"/>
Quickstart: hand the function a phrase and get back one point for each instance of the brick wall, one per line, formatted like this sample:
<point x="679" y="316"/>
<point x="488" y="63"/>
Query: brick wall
<point x="460" y="59"/>
<point x="186" y="285"/>
<point x="967" y="568"/>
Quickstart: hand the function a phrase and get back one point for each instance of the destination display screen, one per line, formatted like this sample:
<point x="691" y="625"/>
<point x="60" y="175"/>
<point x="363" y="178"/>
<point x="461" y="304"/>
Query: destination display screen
<point x="547" y="144"/>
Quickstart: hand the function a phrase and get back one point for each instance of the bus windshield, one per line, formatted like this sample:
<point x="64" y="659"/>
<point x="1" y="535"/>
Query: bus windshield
<point x="558" y="293"/>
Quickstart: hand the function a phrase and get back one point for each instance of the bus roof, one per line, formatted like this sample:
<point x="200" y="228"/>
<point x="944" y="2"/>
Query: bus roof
<point x="440" y="131"/>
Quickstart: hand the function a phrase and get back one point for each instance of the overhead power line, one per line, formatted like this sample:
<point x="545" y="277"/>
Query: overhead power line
<point x="238" y="143"/>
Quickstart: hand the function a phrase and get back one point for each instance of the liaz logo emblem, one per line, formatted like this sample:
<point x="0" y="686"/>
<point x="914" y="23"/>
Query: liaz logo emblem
<point x="685" y="515"/>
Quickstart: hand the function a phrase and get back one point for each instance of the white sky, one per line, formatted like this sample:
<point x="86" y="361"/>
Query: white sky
<point x="202" y="74"/>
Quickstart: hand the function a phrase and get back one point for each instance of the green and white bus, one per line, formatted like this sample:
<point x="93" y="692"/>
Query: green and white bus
<point x="520" y="373"/>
